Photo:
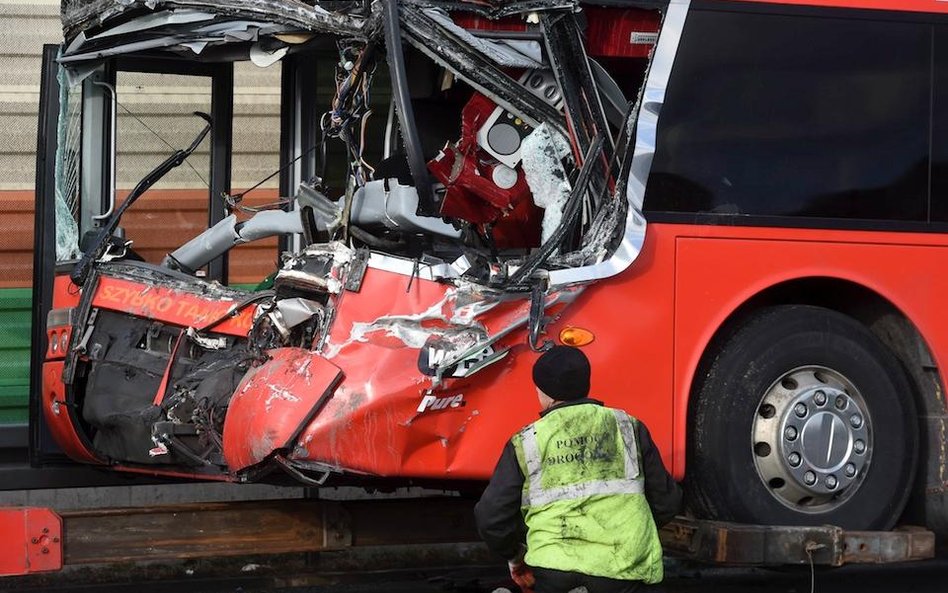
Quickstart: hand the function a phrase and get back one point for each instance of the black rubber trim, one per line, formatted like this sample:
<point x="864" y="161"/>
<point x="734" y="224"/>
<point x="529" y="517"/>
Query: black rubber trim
<point x="406" y="114"/>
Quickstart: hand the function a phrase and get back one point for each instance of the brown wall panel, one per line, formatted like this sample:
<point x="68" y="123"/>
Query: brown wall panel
<point x="16" y="239"/>
<point x="161" y="221"/>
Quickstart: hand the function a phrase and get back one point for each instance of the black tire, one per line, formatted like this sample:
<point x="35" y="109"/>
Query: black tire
<point x="724" y="480"/>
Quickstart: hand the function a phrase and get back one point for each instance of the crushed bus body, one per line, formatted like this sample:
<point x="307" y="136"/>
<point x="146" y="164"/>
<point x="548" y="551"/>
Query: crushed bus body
<point x="382" y="343"/>
<point x="463" y="183"/>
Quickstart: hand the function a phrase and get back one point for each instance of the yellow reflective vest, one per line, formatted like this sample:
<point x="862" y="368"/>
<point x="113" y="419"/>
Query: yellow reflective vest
<point x="583" y="495"/>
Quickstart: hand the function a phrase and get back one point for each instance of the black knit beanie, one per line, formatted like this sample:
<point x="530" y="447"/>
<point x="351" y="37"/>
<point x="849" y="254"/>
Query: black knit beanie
<point x="562" y="373"/>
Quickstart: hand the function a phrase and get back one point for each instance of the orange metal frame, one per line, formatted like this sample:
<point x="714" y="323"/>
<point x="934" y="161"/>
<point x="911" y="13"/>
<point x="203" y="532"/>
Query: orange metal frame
<point x="31" y="542"/>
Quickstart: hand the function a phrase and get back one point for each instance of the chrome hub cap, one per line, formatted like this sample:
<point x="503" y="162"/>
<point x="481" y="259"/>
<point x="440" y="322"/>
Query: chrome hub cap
<point x="812" y="439"/>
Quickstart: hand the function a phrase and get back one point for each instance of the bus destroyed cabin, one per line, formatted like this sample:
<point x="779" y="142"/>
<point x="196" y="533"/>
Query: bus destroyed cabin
<point x="507" y="184"/>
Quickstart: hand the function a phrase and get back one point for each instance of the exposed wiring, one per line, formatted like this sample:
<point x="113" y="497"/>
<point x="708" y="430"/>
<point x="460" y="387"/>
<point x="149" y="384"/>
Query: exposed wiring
<point x="414" y="273"/>
<point x="809" y="549"/>
<point x="236" y="308"/>
<point x="233" y="201"/>
<point x="278" y="205"/>
<point x="350" y="108"/>
<point x="389" y="130"/>
<point x="365" y="122"/>
<point x="348" y="118"/>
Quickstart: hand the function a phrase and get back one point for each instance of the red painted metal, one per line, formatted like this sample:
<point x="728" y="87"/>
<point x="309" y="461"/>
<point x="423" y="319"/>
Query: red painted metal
<point x="376" y="421"/>
<point x="65" y="296"/>
<point x="931" y="6"/>
<point x="620" y="33"/>
<point x="163" y="386"/>
<point x="470" y="20"/>
<point x="652" y="324"/>
<point x="175" y="307"/>
<point x="59" y="418"/>
<point x="893" y="265"/>
<point x="65" y="293"/>
<point x="508" y="214"/>
<point x="273" y="403"/>
<point x="143" y="299"/>
<point x="31" y="541"/>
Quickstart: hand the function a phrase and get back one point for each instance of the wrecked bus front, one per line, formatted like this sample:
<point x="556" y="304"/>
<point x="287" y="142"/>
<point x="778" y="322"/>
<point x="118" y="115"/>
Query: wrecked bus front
<point x="422" y="263"/>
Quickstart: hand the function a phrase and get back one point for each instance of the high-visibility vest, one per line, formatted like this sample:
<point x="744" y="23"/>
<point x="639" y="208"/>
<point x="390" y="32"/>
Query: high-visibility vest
<point x="583" y="495"/>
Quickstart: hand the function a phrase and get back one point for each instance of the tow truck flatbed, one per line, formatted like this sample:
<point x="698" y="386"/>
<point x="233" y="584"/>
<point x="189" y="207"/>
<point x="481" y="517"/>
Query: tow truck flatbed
<point x="41" y="540"/>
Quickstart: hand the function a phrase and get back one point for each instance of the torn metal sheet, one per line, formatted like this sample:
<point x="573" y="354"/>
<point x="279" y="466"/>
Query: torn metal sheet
<point x="192" y="26"/>
<point x="273" y="403"/>
<point x="262" y="57"/>
<point x="496" y="8"/>
<point x="157" y="19"/>
<point x="440" y="45"/>
<point x="81" y="15"/>
<point x="648" y="109"/>
<point x="523" y="54"/>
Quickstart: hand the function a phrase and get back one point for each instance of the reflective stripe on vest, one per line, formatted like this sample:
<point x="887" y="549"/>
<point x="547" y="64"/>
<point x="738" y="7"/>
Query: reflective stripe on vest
<point x="631" y="483"/>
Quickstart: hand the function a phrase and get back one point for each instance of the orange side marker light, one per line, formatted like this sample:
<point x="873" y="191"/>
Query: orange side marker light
<point x="576" y="336"/>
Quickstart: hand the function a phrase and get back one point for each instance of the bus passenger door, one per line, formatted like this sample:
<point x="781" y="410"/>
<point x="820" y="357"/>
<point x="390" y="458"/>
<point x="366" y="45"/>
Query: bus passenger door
<point x="101" y="129"/>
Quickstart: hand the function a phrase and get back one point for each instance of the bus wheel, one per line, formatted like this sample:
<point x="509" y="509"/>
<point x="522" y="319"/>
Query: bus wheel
<point x="802" y="417"/>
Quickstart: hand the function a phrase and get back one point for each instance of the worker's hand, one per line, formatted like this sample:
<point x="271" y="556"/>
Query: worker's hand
<point x="521" y="574"/>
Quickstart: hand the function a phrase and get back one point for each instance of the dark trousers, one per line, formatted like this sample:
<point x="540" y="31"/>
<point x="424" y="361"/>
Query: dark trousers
<point x="557" y="581"/>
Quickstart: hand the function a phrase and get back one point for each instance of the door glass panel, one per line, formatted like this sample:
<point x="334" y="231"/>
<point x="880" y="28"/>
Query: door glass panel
<point x="256" y="154"/>
<point x="155" y="118"/>
<point x="68" y="163"/>
<point x="939" y="179"/>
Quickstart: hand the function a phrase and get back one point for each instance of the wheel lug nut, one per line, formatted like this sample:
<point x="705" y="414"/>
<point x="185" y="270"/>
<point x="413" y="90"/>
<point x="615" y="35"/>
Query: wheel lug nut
<point x="859" y="447"/>
<point x="819" y="398"/>
<point x="790" y="433"/>
<point x="840" y="402"/>
<point x="855" y="420"/>
<point x="831" y="482"/>
<point x="850" y="470"/>
<point x="794" y="459"/>
<point x="800" y="410"/>
<point x="810" y="478"/>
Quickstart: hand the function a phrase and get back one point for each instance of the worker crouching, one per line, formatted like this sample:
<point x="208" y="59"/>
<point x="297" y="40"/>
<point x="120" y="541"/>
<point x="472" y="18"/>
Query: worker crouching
<point x="576" y="497"/>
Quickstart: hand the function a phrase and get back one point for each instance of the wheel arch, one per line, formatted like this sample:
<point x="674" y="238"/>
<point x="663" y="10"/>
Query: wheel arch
<point x="881" y="316"/>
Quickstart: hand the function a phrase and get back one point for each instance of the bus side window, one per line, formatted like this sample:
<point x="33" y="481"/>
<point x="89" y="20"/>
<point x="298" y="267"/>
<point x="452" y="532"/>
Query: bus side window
<point x="779" y="115"/>
<point x="939" y="198"/>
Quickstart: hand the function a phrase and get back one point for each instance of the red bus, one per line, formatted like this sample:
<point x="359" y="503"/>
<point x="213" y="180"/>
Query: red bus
<point x="734" y="208"/>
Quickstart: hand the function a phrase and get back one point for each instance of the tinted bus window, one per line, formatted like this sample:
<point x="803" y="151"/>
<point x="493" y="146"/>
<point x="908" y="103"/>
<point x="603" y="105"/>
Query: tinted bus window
<point x="939" y="198"/>
<point x="781" y="115"/>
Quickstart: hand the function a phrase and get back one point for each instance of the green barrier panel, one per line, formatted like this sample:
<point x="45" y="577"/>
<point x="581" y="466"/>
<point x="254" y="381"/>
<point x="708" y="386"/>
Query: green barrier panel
<point x="15" y="313"/>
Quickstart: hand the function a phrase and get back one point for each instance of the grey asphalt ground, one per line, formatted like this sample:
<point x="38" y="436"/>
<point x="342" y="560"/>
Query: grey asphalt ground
<point x="925" y="577"/>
